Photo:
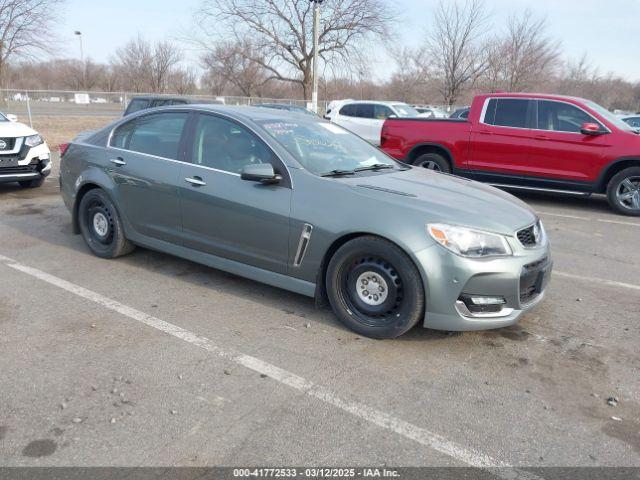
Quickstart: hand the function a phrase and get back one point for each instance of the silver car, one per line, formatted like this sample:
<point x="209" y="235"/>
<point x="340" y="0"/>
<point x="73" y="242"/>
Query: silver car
<point x="302" y="204"/>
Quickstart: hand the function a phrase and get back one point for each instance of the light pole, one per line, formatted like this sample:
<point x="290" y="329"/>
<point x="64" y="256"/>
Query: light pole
<point x="316" y="38"/>
<point x="78" y="33"/>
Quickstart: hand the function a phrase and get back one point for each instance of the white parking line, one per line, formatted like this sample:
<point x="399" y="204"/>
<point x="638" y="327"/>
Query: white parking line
<point x="357" y="409"/>
<point x="603" y="281"/>
<point x="588" y="219"/>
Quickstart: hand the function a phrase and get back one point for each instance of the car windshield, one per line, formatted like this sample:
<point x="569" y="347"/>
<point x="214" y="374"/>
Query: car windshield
<point x="609" y="116"/>
<point x="405" y="110"/>
<point x="325" y="148"/>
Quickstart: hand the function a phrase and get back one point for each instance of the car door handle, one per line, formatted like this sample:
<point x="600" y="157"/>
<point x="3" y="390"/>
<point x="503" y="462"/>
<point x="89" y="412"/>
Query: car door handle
<point x="541" y="137"/>
<point x="196" y="181"/>
<point x="118" y="161"/>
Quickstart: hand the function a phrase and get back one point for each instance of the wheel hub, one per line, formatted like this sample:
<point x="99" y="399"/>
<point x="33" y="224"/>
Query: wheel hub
<point x="431" y="165"/>
<point x="628" y="193"/>
<point x="100" y="224"/>
<point x="372" y="288"/>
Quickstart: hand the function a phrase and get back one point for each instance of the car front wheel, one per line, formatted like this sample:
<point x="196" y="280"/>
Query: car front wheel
<point x="623" y="191"/>
<point x="101" y="226"/>
<point x="374" y="288"/>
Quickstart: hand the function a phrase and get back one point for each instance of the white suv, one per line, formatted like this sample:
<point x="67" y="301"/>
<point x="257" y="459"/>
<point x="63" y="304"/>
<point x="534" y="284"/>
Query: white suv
<point x="365" y="118"/>
<point x="24" y="155"/>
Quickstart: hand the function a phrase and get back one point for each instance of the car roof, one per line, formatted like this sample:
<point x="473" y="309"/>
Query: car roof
<point x="239" y="112"/>
<point x="377" y="102"/>
<point x="543" y="96"/>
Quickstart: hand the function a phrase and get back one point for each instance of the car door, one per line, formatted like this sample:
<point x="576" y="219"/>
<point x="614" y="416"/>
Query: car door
<point x="559" y="149"/>
<point x="501" y="140"/>
<point x="142" y="160"/>
<point x="224" y="215"/>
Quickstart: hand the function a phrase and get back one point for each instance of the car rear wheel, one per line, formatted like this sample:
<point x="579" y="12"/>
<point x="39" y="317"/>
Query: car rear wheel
<point x="374" y="288"/>
<point x="433" y="161"/>
<point x="32" y="183"/>
<point x="101" y="227"/>
<point x="623" y="191"/>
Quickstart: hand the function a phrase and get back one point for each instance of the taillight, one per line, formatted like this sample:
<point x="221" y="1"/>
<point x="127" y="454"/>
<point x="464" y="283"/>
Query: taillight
<point x="63" y="149"/>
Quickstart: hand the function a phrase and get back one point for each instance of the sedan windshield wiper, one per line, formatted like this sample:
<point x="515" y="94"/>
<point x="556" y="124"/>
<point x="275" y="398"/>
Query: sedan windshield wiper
<point x="377" y="166"/>
<point x="338" y="173"/>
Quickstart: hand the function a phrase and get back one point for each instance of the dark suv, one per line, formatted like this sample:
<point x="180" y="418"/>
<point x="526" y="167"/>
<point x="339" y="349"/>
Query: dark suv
<point x="143" y="103"/>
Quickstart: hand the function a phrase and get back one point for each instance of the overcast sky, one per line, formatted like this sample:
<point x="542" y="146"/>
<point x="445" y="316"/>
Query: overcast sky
<point x="607" y="31"/>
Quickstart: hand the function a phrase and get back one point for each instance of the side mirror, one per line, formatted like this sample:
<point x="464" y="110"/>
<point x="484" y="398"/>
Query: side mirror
<point x="261" y="173"/>
<point x="11" y="117"/>
<point x="591" y="129"/>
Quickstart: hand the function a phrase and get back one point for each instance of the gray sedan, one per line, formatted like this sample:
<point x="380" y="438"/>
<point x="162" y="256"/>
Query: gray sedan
<point x="302" y="204"/>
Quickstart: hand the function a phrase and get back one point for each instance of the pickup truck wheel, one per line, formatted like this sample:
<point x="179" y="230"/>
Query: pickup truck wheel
<point x="101" y="227"/>
<point x="623" y="192"/>
<point x="374" y="288"/>
<point x="433" y="161"/>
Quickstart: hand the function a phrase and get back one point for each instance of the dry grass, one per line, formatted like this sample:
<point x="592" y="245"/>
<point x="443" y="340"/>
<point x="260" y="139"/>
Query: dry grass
<point x="61" y="129"/>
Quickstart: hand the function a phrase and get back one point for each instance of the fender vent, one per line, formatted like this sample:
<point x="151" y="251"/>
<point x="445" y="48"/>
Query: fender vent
<point x="305" y="238"/>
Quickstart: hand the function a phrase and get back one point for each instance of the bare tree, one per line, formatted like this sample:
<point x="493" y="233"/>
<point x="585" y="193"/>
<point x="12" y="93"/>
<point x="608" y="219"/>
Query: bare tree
<point x="133" y="62"/>
<point x="144" y="66"/>
<point x="454" y="45"/>
<point x="25" y="28"/>
<point x="281" y="32"/>
<point x="166" y="57"/>
<point x="182" y="81"/>
<point x="234" y="63"/>
<point x="411" y="75"/>
<point x="524" y="56"/>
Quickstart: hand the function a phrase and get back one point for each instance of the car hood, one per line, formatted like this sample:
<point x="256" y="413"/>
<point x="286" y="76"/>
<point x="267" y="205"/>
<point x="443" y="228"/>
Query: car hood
<point x="448" y="199"/>
<point x="15" y="129"/>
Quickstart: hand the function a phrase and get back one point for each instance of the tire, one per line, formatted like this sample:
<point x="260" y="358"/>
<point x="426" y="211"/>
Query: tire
<point x="375" y="263"/>
<point x="623" y="192"/>
<point x="101" y="226"/>
<point x="433" y="161"/>
<point x="32" y="183"/>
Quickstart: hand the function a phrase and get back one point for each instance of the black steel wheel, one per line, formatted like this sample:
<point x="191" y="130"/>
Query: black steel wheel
<point x="101" y="227"/>
<point x="374" y="288"/>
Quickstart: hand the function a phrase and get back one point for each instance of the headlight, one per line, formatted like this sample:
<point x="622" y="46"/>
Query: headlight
<point x="469" y="243"/>
<point x="33" y="140"/>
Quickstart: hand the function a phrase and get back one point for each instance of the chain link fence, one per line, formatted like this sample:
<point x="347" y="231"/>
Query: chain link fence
<point x="27" y="105"/>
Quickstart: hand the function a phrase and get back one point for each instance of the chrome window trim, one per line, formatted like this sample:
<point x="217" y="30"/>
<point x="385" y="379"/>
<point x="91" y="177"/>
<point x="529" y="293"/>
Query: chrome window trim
<point x="174" y="161"/>
<point x="488" y="99"/>
<point x="197" y="110"/>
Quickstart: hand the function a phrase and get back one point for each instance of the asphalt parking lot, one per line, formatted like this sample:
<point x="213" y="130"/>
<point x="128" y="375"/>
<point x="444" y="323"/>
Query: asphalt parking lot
<point x="151" y="360"/>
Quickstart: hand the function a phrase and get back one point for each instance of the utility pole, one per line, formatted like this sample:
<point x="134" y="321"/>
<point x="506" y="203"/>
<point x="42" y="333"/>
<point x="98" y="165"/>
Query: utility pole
<point x="84" y="66"/>
<point x="316" y="41"/>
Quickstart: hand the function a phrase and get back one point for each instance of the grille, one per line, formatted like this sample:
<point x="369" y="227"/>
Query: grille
<point x="18" y="169"/>
<point x="528" y="295"/>
<point x="527" y="236"/>
<point x="8" y="142"/>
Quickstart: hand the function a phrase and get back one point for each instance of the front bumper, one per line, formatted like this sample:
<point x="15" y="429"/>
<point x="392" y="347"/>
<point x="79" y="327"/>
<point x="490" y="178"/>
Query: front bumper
<point x="520" y="280"/>
<point x="32" y="164"/>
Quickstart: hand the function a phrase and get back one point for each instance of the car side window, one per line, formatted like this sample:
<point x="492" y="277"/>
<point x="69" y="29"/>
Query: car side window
<point x="348" y="110"/>
<point x="634" y="121"/>
<point x="507" y="112"/>
<point x="225" y="145"/>
<point x="382" y="112"/>
<point x="136" y="105"/>
<point x="562" y="117"/>
<point x="364" y="110"/>
<point x="157" y="134"/>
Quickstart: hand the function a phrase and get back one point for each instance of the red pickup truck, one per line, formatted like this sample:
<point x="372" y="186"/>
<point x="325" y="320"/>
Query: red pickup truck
<point x="530" y="142"/>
